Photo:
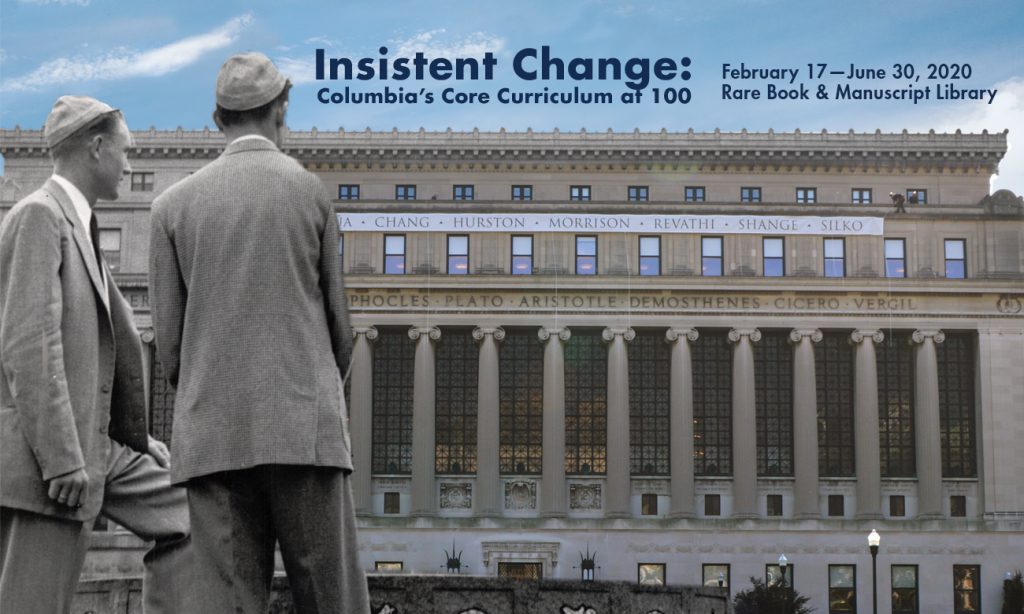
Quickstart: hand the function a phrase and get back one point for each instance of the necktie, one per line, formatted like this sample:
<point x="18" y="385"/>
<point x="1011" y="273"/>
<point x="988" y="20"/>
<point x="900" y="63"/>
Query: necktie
<point x="94" y="234"/>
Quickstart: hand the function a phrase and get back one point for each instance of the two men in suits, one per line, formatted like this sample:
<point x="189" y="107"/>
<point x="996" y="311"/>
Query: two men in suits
<point x="73" y="420"/>
<point x="252" y="329"/>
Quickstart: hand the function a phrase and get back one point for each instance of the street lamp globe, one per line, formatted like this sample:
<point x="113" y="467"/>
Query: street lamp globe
<point x="874" y="539"/>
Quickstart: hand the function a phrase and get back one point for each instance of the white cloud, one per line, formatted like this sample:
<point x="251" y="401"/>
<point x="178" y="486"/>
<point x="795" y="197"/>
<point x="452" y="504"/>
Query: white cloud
<point x="298" y="70"/>
<point x="433" y="45"/>
<point x="124" y="63"/>
<point x="60" y="2"/>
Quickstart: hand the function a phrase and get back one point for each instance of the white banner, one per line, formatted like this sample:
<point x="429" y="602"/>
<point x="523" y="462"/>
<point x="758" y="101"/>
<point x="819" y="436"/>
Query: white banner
<point x="593" y="222"/>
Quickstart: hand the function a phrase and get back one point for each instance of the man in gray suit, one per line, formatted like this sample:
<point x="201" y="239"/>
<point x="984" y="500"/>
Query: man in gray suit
<point x="73" y="423"/>
<point x="252" y="329"/>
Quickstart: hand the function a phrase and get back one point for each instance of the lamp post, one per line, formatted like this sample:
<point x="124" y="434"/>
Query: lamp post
<point x="783" y="563"/>
<point x="873" y="540"/>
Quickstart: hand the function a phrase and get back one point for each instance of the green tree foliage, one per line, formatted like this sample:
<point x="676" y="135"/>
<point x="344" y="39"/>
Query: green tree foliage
<point x="1013" y="594"/>
<point x="763" y="599"/>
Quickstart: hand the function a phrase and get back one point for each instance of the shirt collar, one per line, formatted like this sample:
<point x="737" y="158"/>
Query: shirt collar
<point x="249" y="137"/>
<point x="78" y="200"/>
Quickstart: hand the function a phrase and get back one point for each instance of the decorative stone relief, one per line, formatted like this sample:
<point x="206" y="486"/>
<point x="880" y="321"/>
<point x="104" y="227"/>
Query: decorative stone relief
<point x="387" y="608"/>
<point x="585" y="496"/>
<point x="1008" y="304"/>
<point x="521" y="495"/>
<point x="473" y="611"/>
<point x="582" y="609"/>
<point x="456" y="495"/>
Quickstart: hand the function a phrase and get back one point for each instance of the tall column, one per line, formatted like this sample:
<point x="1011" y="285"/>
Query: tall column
<point x="487" y="500"/>
<point x="744" y="423"/>
<point x="423" y="421"/>
<point x="680" y="422"/>
<point x="927" y="442"/>
<point x="865" y="424"/>
<point x="617" y="465"/>
<point x="361" y="418"/>
<point x="553" y="464"/>
<point x="805" y="424"/>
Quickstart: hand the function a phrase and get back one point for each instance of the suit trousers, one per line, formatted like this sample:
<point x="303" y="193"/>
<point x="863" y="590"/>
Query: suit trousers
<point x="41" y="556"/>
<point x="238" y="516"/>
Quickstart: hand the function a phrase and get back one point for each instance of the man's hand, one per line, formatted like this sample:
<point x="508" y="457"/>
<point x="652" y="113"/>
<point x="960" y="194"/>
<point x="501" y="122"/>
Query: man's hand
<point x="70" y="489"/>
<point x="159" y="451"/>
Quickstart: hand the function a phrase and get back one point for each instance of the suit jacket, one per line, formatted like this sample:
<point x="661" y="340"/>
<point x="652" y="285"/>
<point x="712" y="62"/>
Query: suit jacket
<point x="249" y="314"/>
<point x="71" y="357"/>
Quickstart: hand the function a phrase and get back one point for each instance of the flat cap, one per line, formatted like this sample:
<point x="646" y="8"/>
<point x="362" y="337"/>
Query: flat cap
<point x="247" y="81"/>
<point x="70" y="114"/>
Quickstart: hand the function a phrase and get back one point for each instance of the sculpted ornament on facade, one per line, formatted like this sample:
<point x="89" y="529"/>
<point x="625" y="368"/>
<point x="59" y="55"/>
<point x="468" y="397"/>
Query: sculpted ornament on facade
<point x="369" y="331"/>
<point x="609" y="334"/>
<point x="737" y="333"/>
<point x="498" y="332"/>
<point x="797" y="334"/>
<point x="1008" y="304"/>
<point x="520" y="495"/>
<point x="859" y="336"/>
<point x="432" y="331"/>
<point x="674" y="334"/>
<point x="585" y="496"/>
<point x="456" y="495"/>
<point x="562" y="333"/>
<point x="919" y="336"/>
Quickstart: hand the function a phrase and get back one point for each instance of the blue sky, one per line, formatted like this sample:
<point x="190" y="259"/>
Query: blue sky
<point x="158" y="60"/>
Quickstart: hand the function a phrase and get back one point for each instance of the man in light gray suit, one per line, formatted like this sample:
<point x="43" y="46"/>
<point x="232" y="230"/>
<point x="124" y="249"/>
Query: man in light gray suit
<point x="73" y="423"/>
<point x="252" y="329"/>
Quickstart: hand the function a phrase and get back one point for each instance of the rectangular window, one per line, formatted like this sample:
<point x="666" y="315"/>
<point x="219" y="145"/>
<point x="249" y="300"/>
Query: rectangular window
<point x="341" y="250"/>
<point x="521" y="410"/>
<point x="348" y="192"/>
<point x="142" y="182"/>
<point x="712" y="505"/>
<point x="774" y="256"/>
<point x="835" y="257"/>
<point x="966" y="589"/>
<point x="861" y="196"/>
<point x="711" y="256"/>
<point x="522" y="254"/>
<point x="957" y="419"/>
<point x="522" y="192"/>
<point x="649" y="390"/>
<point x="520" y="571"/>
<point x="649" y="504"/>
<point x="693" y="193"/>
<point x="917" y="196"/>
<point x="586" y="255"/>
<point x="773" y="575"/>
<point x="455" y="403"/>
<point x="650" y="255"/>
<point x="391" y="503"/>
<point x="394" y="254"/>
<point x="715" y="574"/>
<point x="773" y="403"/>
<point x="712" y="404"/>
<point x="894" y="358"/>
<point x="833" y="373"/>
<point x="895" y="258"/>
<point x="388" y="566"/>
<point x="462" y="192"/>
<point x="110" y="245"/>
<point x="579" y="192"/>
<point x="958" y="506"/>
<point x="806" y="195"/>
<point x="842" y="589"/>
<point x="405" y="192"/>
<point x="836" y="506"/>
<point x="904" y="589"/>
<point x="458" y="254"/>
<point x="750" y="195"/>
<point x="956" y="263"/>
<point x="774" y="505"/>
<point x="650" y="574"/>
<point x="394" y="359"/>
<point x="586" y="404"/>
<point x="637" y="192"/>
<point x="897" y="506"/>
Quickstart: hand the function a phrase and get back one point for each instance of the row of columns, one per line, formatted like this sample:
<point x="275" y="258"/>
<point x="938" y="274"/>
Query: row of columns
<point x="487" y="500"/>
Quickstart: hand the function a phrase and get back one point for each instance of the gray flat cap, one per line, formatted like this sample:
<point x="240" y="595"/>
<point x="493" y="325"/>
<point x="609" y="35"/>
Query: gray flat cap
<point x="70" y="114"/>
<point x="247" y="81"/>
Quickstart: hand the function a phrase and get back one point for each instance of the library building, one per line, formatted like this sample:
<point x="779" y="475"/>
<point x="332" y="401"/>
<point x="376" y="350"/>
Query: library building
<point x="667" y="358"/>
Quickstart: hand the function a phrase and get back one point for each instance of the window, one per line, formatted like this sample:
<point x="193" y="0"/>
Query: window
<point x="806" y="195"/>
<point x="773" y="575"/>
<point x="773" y="404"/>
<point x="393" y="377"/>
<point x="833" y="372"/>
<point x="462" y="192"/>
<point x="904" y="589"/>
<point x="897" y="506"/>
<point x="520" y="571"/>
<point x="650" y="574"/>
<point x="388" y="566"/>
<point x="835" y="257"/>
<point x="637" y="192"/>
<point x="649" y="504"/>
<point x="693" y="194"/>
<point x="861" y="196"/>
<point x="895" y="365"/>
<point x="958" y="506"/>
<point x="712" y="505"/>
<point x="712" y="404"/>
<point x="836" y="506"/>
<point x="649" y="388"/>
<point x="110" y="245"/>
<point x="917" y="196"/>
<point x="650" y="255"/>
<point x="711" y="256"/>
<point x="522" y="192"/>
<point x="458" y="254"/>
<point x="391" y="503"/>
<point x="142" y="182"/>
<point x="405" y="192"/>
<point x="341" y="250"/>
<point x="715" y="574"/>
<point x="842" y="589"/>
<point x="750" y="195"/>
<point x="521" y="403"/>
<point x="455" y="398"/>
<point x="774" y="256"/>
<point x="895" y="258"/>
<point x="522" y="254"/>
<point x="579" y="192"/>
<point x="774" y="505"/>
<point x="348" y="192"/>
<point x="586" y="255"/>
<point x="586" y="404"/>
<point x="956" y="265"/>
<point x="957" y="430"/>
<point x="966" y="589"/>
<point x="394" y="254"/>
